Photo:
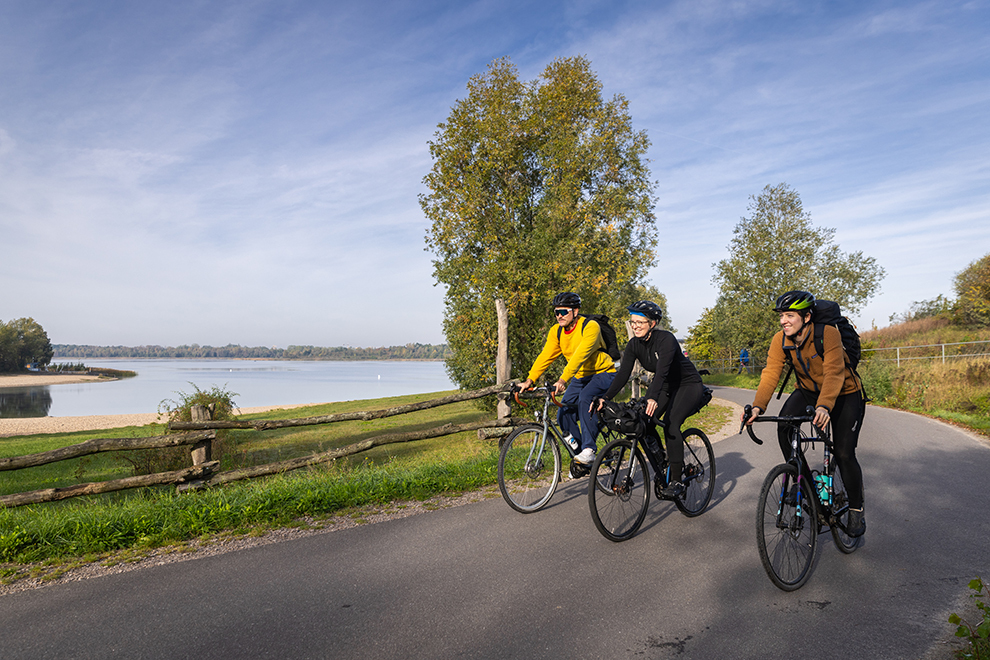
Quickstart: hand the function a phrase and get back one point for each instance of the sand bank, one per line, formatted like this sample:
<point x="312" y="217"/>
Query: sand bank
<point x="33" y="425"/>
<point x="37" y="380"/>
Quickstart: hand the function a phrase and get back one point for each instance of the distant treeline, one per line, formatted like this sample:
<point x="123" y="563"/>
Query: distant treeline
<point x="407" y="352"/>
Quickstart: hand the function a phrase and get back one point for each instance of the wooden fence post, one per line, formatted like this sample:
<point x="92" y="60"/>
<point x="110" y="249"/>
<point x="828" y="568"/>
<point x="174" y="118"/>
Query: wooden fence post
<point x="503" y="366"/>
<point x="637" y="369"/>
<point x="202" y="452"/>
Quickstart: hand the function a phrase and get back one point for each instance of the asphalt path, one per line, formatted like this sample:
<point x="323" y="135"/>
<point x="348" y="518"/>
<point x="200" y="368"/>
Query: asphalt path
<point x="482" y="581"/>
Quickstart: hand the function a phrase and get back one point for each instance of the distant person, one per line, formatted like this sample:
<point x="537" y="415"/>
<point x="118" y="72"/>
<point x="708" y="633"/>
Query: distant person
<point x="743" y="361"/>
<point x="675" y="391"/>
<point x="589" y="372"/>
<point x="826" y="382"/>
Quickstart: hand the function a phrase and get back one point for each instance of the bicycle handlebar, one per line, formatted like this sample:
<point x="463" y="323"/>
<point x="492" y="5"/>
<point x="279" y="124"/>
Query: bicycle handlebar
<point x="809" y="416"/>
<point x="535" y="393"/>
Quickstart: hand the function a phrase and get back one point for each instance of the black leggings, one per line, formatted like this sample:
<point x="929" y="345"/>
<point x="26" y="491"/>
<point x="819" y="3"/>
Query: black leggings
<point x="847" y="418"/>
<point x="685" y="401"/>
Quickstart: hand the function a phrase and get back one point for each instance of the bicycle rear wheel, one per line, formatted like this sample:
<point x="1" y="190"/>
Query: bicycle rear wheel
<point x="840" y="516"/>
<point x="619" y="492"/>
<point x="786" y="528"/>
<point x="528" y="468"/>
<point x="699" y="473"/>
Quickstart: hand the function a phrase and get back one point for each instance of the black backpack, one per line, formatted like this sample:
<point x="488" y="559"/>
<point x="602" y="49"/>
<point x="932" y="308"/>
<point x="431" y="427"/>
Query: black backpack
<point x="827" y="312"/>
<point x="608" y="334"/>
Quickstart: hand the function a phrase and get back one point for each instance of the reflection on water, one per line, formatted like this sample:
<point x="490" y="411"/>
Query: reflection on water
<point x="25" y="402"/>
<point x="255" y="382"/>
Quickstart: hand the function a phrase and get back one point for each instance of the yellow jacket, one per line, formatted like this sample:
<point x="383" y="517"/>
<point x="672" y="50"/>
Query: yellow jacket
<point x="830" y="374"/>
<point x="581" y="348"/>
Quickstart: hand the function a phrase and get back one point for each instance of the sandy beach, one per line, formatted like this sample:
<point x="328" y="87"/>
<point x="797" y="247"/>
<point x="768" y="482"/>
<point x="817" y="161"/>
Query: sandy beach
<point x="39" y="379"/>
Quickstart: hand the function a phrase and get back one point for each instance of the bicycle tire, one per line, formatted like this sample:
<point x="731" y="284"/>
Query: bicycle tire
<point x="837" y="523"/>
<point x="619" y="492"/>
<point x="528" y="468"/>
<point x="698" y="475"/>
<point x="786" y="534"/>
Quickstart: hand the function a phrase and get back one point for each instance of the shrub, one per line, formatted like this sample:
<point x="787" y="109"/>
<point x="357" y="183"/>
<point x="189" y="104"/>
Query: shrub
<point x="218" y="400"/>
<point x="979" y="635"/>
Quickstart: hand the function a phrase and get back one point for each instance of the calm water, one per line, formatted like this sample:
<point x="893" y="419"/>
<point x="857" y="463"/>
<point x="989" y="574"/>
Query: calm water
<point x="256" y="382"/>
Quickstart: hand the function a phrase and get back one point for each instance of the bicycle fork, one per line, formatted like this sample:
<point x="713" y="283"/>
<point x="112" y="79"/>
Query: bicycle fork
<point x="796" y="523"/>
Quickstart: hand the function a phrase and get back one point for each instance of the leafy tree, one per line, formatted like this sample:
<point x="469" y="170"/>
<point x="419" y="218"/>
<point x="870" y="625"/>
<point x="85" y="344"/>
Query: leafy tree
<point x="535" y="188"/>
<point x="23" y="342"/>
<point x="700" y="343"/>
<point x="938" y="307"/>
<point x="777" y="249"/>
<point x="972" y="287"/>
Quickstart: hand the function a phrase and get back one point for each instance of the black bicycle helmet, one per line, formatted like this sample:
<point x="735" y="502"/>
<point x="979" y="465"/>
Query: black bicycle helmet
<point x="566" y="299"/>
<point x="795" y="301"/>
<point x="647" y="308"/>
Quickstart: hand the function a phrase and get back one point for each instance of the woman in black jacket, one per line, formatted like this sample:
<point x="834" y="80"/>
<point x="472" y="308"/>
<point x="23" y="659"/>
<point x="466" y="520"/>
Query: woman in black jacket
<point x="675" y="391"/>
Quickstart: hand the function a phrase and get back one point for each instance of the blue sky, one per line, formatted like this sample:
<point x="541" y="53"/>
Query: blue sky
<point x="248" y="172"/>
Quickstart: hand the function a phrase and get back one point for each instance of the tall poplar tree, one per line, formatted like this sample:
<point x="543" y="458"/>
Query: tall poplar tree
<point x="778" y="249"/>
<point x="535" y="188"/>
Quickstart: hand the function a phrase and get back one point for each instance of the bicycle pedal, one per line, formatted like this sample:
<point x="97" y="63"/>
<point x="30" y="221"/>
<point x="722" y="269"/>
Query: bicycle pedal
<point x="578" y="470"/>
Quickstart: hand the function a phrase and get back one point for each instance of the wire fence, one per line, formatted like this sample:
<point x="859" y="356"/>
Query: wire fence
<point x="896" y="355"/>
<point x="943" y="352"/>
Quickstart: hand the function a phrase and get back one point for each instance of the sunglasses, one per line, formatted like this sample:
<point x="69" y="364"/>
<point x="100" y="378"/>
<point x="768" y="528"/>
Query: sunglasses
<point x="561" y="312"/>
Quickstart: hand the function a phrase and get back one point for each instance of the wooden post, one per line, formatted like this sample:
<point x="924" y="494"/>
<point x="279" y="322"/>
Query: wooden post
<point x="202" y="452"/>
<point x="503" y="366"/>
<point x="637" y="369"/>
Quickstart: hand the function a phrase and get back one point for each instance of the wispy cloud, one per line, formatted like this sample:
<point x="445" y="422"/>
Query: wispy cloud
<point x="249" y="173"/>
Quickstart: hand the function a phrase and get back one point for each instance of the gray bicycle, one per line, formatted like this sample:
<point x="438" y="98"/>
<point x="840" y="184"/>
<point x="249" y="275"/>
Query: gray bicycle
<point x="529" y="463"/>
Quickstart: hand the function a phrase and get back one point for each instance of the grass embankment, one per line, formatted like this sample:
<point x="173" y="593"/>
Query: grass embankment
<point x="957" y="391"/>
<point x="55" y="536"/>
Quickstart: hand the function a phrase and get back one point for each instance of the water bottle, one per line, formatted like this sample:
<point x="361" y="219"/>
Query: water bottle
<point x="823" y="482"/>
<point x="571" y="442"/>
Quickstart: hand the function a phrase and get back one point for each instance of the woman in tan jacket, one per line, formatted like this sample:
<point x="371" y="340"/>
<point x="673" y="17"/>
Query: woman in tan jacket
<point x="825" y="382"/>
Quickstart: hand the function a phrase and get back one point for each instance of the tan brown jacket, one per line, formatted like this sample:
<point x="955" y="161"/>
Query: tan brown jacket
<point x="830" y="376"/>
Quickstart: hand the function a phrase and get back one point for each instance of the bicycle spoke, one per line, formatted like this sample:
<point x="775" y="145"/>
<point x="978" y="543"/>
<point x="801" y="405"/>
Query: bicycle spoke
<point x="786" y="528"/>
<point x="528" y="468"/>
<point x="619" y="492"/>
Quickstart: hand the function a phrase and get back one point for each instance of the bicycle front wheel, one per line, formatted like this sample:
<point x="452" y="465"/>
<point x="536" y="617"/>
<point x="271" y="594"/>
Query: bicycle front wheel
<point x="840" y="516"/>
<point x="528" y="468"/>
<point x="619" y="491"/>
<point x="787" y="528"/>
<point x="699" y="473"/>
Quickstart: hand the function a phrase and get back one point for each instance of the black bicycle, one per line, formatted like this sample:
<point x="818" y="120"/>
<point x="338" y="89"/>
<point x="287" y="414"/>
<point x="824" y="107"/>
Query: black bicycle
<point x="791" y="511"/>
<point x="619" y="492"/>
<point x="529" y="460"/>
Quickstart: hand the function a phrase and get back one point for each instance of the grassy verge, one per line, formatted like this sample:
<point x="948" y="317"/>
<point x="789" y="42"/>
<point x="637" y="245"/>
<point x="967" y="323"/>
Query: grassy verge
<point x="63" y="533"/>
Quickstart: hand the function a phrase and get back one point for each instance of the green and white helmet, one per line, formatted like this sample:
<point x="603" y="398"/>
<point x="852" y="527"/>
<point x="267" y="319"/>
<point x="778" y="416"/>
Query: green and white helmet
<point x="795" y="301"/>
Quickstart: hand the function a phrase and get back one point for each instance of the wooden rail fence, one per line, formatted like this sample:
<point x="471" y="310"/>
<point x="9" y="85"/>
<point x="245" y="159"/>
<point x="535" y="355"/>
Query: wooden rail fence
<point x="200" y="434"/>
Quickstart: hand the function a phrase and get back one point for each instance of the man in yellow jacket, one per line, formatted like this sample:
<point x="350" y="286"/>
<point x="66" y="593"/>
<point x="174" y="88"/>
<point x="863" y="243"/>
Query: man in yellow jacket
<point x="588" y="374"/>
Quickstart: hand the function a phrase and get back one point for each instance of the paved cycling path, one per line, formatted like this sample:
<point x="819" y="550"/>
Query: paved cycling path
<point x="481" y="581"/>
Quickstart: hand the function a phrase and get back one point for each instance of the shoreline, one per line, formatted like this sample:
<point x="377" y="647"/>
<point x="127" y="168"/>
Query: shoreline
<point x="9" y="381"/>
<point x="15" y="426"/>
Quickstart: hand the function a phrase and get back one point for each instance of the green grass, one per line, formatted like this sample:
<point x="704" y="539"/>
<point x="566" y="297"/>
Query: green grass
<point x="61" y="534"/>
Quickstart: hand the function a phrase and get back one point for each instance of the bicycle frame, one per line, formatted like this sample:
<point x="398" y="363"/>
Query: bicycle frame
<point x="542" y="417"/>
<point x="831" y="515"/>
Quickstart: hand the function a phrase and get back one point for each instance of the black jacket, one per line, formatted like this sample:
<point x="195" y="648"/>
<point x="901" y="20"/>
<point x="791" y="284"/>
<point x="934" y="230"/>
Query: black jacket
<point x="660" y="353"/>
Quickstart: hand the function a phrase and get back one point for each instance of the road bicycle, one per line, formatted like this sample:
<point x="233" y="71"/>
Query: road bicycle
<point x="791" y="511"/>
<point x="529" y="460"/>
<point x="619" y="492"/>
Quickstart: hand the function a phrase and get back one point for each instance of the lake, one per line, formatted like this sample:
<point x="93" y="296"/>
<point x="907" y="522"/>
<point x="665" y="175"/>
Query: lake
<point x="255" y="382"/>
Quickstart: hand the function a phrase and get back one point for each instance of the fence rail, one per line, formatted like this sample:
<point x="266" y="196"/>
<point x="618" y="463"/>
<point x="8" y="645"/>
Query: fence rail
<point x="204" y="472"/>
<point x="895" y="354"/>
<point x="944" y="352"/>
